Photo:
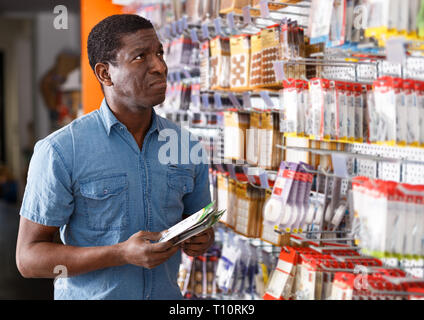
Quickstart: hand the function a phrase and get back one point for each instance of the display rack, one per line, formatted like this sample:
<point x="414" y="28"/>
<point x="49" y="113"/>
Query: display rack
<point x="332" y="163"/>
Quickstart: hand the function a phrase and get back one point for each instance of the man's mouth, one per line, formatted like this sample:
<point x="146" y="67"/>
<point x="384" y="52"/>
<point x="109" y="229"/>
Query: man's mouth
<point x="158" y="84"/>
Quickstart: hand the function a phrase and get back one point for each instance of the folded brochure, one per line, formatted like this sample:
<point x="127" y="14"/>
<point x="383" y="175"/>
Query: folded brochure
<point x="192" y="225"/>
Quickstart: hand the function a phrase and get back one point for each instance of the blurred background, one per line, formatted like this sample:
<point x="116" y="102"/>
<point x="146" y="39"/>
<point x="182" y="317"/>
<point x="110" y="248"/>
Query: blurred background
<point x="40" y="91"/>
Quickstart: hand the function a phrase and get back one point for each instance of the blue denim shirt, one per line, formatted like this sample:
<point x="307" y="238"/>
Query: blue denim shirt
<point x="91" y="179"/>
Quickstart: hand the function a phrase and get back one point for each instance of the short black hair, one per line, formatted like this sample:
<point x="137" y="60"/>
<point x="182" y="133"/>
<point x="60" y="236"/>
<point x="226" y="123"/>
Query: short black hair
<point x="104" y="39"/>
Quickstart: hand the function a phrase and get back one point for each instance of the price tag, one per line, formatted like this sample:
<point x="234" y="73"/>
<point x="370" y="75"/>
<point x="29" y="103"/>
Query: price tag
<point x="396" y="50"/>
<point x="218" y="101"/>
<point x="186" y="73"/>
<point x="220" y="167"/>
<point x="205" y="100"/>
<point x="180" y="27"/>
<point x="174" y="28"/>
<point x="193" y="35"/>
<point x="246" y="15"/>
<point x="249" y="176"/>
<point x="263" y="178"/>
<point x="230" y="20"/>
<point x="340" y="165"/>
<point x="266" y="98"/>
<point x="168" y="32"/>
<point x="171" y="77"/>
<point x="234" y="100"/>
<point x="232" y="171"/>
<point x="195" y="100"/>
<point x="205" y="31"/>
<point x="185" y="23"/>
<point x="246" y="100"/>
<point x="264" y="9"/>
<point x="217" y="24"/>
<point x="279" y="70"/>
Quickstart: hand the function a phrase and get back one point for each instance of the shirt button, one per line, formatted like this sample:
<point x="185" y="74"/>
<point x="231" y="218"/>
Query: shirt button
<point x="105" y="191"/>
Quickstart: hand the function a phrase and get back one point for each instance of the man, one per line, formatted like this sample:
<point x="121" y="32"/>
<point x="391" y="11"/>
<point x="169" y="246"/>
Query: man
<point x="101" y="183"/>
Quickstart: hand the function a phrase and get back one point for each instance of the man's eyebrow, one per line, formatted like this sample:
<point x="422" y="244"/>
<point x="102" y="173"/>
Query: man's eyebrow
<point x="144" y="48"/>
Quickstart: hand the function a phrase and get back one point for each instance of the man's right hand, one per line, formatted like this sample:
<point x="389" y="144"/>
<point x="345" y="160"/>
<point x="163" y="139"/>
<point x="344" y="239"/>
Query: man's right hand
<point x="140" y="251"/>
<point x="37" y="255"/>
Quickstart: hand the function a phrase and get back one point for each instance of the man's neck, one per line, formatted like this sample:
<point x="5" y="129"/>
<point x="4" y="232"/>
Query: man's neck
<point x="138" y="122"/>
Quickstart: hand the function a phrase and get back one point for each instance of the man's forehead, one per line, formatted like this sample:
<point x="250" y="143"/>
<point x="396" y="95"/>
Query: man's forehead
<point x="141" y="38"/>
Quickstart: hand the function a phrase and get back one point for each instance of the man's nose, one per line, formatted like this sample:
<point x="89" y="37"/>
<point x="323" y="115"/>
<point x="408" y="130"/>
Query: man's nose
<point x="158" y="65"/>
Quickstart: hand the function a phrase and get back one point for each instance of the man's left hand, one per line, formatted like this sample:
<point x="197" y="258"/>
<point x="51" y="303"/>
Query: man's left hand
<point x="199" y="244"/>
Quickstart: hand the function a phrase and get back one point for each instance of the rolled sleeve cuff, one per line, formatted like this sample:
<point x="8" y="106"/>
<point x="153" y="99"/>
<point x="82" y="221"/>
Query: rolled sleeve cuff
<point x="41" y="220"/>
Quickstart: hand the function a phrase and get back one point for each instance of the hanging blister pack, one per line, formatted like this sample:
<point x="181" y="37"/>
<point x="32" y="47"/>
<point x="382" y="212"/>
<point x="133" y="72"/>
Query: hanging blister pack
<point x="318" y="89"/>
<point x="419" y="102"/>
<point x="385" y="110"/>
<point x="413" y="115"/>
<point x="240" y="61"/>
<point x="220" y="65"/>
<point x="320" y="20"/>
<point x="350" y="98"/>
<point x="372" y="118"/>
<point x="365" y="113"/>
<point x="282" y="278"/>
<point x="333" y="112"/>
<point x="290" y="209"/>
<point x="307" y="107"/>
<point x="342" y="112"/>
<point x="231" y="253"/>
<point x="359" y="112"/>
<point x="205" y="66"/>
<point x="303" y="197"/>
<point x="338" y="24"/>
<point x="390" y="224"/>
<point x="406" y="88"/>
<point x="396" y="209"/>
<point x="290" y="118"/>
<point x="256" y="60"/>
<point x="274" y="207"/>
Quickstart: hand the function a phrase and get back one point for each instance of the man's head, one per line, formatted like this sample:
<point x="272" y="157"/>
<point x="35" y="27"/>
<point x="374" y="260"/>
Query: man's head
<point x="127" y="58"/>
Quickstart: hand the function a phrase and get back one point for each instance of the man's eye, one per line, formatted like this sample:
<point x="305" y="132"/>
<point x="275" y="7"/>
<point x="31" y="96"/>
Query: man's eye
<point x="160" y="53"/>
<point x="140" y="57"/>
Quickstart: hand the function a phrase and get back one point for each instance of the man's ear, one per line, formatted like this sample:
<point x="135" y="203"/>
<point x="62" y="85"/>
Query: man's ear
<point x="102" y="73"/>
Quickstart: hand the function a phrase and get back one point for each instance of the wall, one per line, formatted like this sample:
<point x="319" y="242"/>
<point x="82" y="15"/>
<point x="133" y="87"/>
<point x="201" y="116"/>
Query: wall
<point x="49" y="42"/>
<point x="15" y="42"/>
<point x="30" y="43"/>
<point x="92" y="12"/>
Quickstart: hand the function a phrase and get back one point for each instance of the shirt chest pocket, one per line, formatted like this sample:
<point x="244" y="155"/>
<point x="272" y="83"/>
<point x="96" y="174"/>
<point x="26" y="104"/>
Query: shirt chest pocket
<point x="180" y="181"/>
<point x="105" y="202"/>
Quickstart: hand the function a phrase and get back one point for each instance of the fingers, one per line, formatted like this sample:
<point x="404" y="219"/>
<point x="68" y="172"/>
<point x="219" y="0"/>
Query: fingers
<point x="155" y="259"/>
<point x="153" y="236"/>
<point x="195" y="250"/>
<point x="201" y="238"/>
<point x="199" y="244"/>
<point x="161" y="246"/>
<point x="147" y="237"/>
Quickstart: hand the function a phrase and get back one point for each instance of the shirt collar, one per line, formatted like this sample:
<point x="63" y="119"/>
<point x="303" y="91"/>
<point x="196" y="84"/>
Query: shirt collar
<point x="109" y="119"/>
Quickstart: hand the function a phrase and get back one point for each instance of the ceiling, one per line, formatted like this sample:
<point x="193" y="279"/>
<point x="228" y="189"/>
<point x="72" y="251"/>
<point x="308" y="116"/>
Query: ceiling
<point x="29" y="6"/>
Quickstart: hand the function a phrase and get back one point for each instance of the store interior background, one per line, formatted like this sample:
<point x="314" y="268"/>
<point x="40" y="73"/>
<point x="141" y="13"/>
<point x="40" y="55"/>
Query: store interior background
<point x="40" y="91"/>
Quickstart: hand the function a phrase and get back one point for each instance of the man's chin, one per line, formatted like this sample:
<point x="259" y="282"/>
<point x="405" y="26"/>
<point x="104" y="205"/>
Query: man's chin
<point x="152" y="103"/>
<point x="159" y="100"/>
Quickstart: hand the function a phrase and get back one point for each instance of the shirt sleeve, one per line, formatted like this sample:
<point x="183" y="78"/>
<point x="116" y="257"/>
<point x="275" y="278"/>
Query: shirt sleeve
<point x="200" y="197"/>
<point x="48" y="197"/>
